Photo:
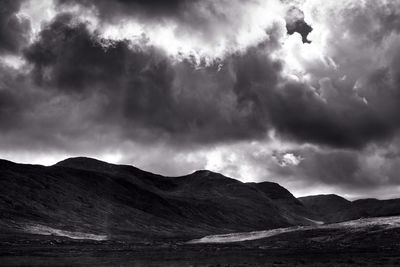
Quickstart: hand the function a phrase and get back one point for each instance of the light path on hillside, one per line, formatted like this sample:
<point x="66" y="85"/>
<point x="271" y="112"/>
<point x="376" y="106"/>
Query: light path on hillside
<point x="353" y="226"/>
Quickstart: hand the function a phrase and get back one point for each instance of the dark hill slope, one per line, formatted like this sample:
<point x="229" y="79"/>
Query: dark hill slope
<point x="326" y="203"/>
<point x="275" y="191"/>
<point x="293" y="209"/>
<point x="121" y="201"/>
<point x="377" y="208"/>
<point x="333" y="208"/>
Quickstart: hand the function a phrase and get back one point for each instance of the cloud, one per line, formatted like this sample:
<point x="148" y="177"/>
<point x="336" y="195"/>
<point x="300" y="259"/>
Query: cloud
<point x="365" y="173"/>
<point x="68" y="57"/>
<point x="236" y="94"/>
<point x="295" y="23"/>
<point x="343" y="94"/>
<point x="201" y="28"/>
<point x="147" y="95"/>
<point x="308" y="169"/>
<point x="288" y="159"/>
<point x="141" y="94"/>
<point x="14" y="30"/>
<point x="154" y="9"/>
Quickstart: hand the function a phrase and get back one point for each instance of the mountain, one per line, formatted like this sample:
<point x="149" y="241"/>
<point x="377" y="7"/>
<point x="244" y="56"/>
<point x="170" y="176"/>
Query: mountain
<point x="333" y="208"/>
<point x="83" y="195"/>
<point x="293" y="209"/>
<point x="91" y="198"/>
<point x="377" y="208"/>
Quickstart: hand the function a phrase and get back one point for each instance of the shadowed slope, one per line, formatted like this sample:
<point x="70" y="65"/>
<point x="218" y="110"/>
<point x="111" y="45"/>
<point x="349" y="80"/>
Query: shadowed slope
<point x="333" y="208"/>
<point x="120" y="201"/>
<point x="292" y="208"/>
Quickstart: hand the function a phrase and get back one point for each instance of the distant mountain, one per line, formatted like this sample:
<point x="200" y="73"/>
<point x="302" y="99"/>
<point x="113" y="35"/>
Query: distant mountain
<point x="294" y="210"/>
<point x="333" y="208"/>
<point x="123" y="202"/>
<point x="377" y="208"/>
<point x="84" y="196"/>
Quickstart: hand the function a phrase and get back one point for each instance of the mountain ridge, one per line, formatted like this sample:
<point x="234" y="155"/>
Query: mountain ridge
<point x="87" y="195"/>
<point x="123" y="202"/>
<point x="333" y="208"/>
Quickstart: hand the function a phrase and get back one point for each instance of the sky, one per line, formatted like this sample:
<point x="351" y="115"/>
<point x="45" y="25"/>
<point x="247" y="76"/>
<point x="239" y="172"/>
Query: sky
<point x="305" y="93"/>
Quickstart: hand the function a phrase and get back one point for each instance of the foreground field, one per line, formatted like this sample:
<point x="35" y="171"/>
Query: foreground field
<point x="194" y="258"/>
<point x="365" y="242"/>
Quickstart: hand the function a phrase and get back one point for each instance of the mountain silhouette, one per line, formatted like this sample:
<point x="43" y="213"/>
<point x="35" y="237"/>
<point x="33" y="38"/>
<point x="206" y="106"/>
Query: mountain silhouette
<point x="84" y="195"/>
<point x="124" y="202"/>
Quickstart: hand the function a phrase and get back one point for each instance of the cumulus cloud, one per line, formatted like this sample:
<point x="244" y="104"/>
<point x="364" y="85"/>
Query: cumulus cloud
<point x="145" y="94"/>
<point x="201" y="28"/>
<point x="347" y="74"/>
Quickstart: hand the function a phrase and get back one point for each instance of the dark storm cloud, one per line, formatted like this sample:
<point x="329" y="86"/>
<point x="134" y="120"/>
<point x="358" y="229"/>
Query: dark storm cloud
<point x="13" y="100"/>
<point x="354" y="102"/>
<point x="193" y="20"/>
<point x="326" y="167"/>
<point x="143" y="8"/>
<point x="295" y="23"/>
<point x="148" y="95"/>
<point x="298" y="112"/>
<point x="9" y="108"/>
<point x="14" y="31"/>
<point x="68" y="57"/>
<point x="332" y="168"/>
<point x="334" y="115"/>
<point x="349" y="170"/>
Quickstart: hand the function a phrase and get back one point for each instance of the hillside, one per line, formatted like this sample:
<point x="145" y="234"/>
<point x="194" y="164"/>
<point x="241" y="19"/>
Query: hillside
<point x="333" y="208"/>
<point x="294" y="210"/>
<point x="82" y="195"/>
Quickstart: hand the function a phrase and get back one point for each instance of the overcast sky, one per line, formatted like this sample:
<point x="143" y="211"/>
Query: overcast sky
<point x="305" y="93"/>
